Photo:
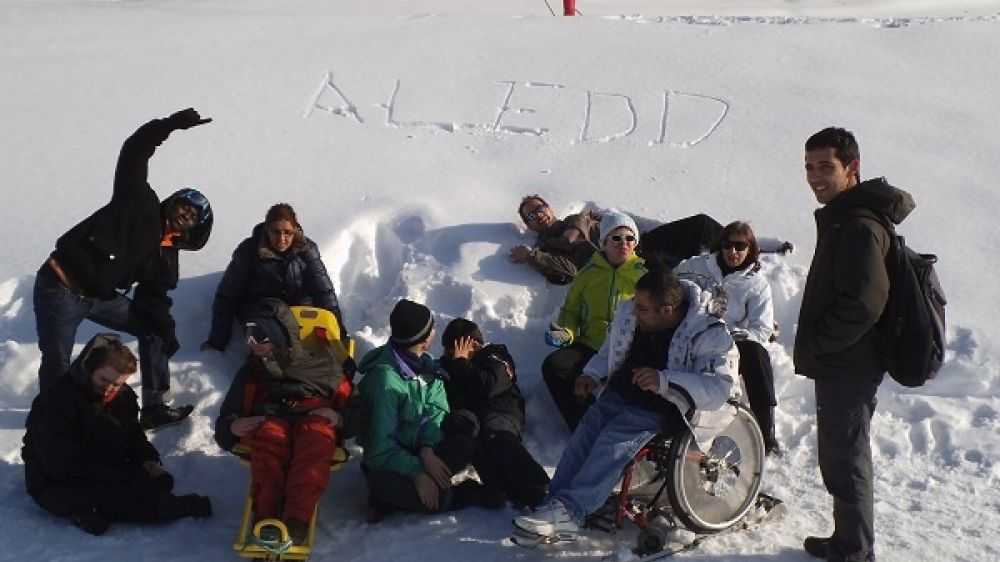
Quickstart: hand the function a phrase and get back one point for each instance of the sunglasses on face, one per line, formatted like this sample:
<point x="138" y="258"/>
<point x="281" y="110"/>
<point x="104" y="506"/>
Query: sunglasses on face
<point x="621" y="238"/>
<point x="256" y="335"/>
<point x="535" y="212"/>
<point x="733" y="244"/>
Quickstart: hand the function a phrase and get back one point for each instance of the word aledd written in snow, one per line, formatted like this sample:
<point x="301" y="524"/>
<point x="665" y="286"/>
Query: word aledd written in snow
<point x="685" y="119"/>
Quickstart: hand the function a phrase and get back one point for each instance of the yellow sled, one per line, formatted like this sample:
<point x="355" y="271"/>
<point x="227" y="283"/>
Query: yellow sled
<point x="268" y="540"/>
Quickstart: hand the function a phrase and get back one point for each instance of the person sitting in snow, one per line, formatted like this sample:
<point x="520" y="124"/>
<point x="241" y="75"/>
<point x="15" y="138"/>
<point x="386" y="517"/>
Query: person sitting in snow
<point x="483" y="380"/>
<point x="608" y="279"/>
<point x="277" y="260"/>
<point x="86" y="457"/>
<point x="133" y="240"/>
<point x="666" y="357"/>
<point x="414" y="443"/>
<point x="732" y="270"/>
<point x="290" y="406"/>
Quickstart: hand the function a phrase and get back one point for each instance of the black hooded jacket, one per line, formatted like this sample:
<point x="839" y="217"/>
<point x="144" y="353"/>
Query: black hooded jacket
<point x="120" y="243"/>
<point x="72" y="437"/>
<point x="487" y="386"/>
<point x="848" y="285"/>
<point x="297" y="277"/>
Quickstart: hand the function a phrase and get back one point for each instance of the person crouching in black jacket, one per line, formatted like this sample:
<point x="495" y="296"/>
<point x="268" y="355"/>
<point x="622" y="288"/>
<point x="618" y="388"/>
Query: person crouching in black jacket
<point x="482" y="379"/>
<point x="85" y="455"/>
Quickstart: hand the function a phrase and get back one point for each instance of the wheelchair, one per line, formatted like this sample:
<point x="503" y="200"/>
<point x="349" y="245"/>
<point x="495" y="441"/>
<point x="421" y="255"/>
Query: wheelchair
<point x="685" y="487"/>
<point x="268" y="540"/>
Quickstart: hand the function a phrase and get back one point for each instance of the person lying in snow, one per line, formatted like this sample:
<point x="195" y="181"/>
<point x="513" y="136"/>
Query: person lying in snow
<point x="564" y="246"/>
<point x="290" y="406"/>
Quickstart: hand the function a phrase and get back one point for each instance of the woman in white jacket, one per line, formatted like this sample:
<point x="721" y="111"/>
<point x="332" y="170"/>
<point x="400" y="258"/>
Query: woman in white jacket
<point x="733" y="271"/>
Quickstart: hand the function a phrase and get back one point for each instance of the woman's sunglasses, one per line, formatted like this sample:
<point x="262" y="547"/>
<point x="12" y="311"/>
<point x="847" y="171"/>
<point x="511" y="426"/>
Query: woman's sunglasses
<point x="733" y="244"/>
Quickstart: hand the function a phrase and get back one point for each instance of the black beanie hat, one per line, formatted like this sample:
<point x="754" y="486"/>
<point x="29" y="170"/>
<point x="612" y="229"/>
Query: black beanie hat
<point x="410" y="322"/>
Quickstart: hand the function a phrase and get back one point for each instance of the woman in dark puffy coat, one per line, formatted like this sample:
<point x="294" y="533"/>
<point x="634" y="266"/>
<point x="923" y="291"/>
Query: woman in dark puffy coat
<point x="276" y="261"/>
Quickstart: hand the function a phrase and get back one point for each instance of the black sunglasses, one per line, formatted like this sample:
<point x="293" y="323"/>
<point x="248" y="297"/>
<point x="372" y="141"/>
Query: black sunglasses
<point x="256" y="334"/>
<point x="733" y="244"/>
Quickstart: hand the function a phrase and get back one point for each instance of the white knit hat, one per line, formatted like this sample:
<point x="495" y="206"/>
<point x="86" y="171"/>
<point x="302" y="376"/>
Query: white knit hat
<point x="615" y="219"/>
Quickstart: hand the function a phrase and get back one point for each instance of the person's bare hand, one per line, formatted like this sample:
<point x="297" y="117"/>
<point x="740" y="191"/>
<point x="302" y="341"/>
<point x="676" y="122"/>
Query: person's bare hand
<point x="584" y="386"/>
<point x="428" y="491"/>
<point x="243" y="426"/>
<point x="331" y="415"/>
<point x="520" y="254"/>
<point x="435" y="468"/>
<point x="465" y="347"/>
<point x="646" y="378"/>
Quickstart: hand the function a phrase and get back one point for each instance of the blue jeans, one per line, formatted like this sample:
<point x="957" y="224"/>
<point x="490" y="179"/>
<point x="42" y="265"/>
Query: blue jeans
<point x="608" y="437"/>
<point x="59" y="312"/>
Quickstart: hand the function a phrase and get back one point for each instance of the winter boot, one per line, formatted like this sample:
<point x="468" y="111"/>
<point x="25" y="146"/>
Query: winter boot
<point x="298" y="530"/>
<point x="91" y="522"/>
<point x="472" y="493"/>
<point x="161" y="415"/>
<point x="816" y="546"/>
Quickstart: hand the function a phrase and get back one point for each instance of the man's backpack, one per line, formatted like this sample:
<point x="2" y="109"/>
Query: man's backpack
<point x="911" y="330"/>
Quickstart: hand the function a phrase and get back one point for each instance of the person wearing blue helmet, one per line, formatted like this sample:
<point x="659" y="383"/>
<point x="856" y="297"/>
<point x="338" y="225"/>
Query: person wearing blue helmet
<point x="133" y="240"/>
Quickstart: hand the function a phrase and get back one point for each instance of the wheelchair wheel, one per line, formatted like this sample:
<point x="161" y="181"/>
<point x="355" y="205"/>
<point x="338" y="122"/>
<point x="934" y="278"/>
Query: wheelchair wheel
<point x="712" y="491"/>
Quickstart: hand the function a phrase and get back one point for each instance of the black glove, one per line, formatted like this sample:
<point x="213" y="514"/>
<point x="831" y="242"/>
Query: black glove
<point x="350" y="367"/>
<point x="164" y="482"/>
<point x="187" y="118"/>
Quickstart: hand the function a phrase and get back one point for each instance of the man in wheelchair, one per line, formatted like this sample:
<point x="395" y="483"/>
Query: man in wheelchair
<point x="668" y="362"/>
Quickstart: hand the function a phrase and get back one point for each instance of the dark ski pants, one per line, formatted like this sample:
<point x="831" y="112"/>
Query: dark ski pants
<point x="139" y="500"/>
<point x="844" y="408"/>
<point x="504" y="463"/>
<point x="758" y="378"/>
<point x="456" y="450"/>
<point x="560" y="370"/>
<point x="678" y="240"/>
<point x="58" y="314"/>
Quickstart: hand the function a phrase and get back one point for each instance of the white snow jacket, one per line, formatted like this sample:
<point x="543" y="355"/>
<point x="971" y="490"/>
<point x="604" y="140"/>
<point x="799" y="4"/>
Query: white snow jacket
<point x="701" y="372"/>
<point x="747" y="294"/>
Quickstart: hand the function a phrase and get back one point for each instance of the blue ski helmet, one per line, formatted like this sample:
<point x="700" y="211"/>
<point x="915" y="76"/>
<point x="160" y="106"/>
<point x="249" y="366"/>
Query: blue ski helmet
<point x="196" y="199"/>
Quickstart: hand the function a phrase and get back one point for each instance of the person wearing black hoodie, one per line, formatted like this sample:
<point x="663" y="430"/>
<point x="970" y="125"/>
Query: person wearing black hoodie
<point x="132" y="240"/>
<point x="845" y="293"/>
<point x="483" y="380"/>
<point x="85" y="455"/>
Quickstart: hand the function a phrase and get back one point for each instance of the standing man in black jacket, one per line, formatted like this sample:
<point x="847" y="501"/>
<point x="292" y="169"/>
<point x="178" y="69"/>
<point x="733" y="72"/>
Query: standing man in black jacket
<point x="133" y="240"/>
<point x="845" y="294"/>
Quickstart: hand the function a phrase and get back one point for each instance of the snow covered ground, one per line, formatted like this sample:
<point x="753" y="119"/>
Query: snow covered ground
<point x="404" y="133"/>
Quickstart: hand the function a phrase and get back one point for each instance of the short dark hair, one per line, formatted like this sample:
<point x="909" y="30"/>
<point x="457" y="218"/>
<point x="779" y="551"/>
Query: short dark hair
<point x="743" y="230"/>
<point x="457" y="329"/>
<point x="113" y="354"/>
<point x="663" y="287"/>
<point x="842" y="141"/>
<point x="524" y="201"/>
